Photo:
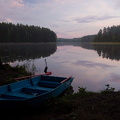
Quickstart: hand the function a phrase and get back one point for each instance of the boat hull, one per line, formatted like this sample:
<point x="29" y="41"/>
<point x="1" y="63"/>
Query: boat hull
<point x="52" y="94"/>
<point x="33" y="92"/>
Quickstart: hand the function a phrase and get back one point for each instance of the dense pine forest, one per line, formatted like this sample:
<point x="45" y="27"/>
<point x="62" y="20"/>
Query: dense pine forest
<point x="109" y="34"/>
<point x="20" y="33"/>
<point x="88" y="38"/>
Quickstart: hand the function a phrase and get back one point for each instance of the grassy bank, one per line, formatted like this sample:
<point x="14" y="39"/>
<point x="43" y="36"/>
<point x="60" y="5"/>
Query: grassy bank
<point x="8" y="73"/>
<point x="85" y="105"/>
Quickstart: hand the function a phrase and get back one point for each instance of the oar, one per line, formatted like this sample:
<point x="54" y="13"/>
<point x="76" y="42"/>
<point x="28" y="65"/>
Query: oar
<point x="48" y="73"/>
<point x="66" y="79"/>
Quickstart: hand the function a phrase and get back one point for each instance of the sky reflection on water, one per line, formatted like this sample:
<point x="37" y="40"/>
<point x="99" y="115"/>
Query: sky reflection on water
<point x="87" y="67"/>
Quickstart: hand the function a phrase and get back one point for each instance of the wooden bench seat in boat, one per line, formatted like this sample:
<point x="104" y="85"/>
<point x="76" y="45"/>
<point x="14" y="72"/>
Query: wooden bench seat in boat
<point x="49" y="84"/>
<point x="38" y="88"/>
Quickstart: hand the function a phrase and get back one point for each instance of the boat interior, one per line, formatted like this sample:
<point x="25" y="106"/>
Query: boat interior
<point x="29" y="88"/>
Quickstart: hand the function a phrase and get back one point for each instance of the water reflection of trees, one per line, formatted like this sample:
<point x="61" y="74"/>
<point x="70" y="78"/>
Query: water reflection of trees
<point x="109" y="51"/>
<point x="68" y="43"/>
<point x="79" y="44"/>
<point x="13" y="52"/>
<point x="87" y="45"/>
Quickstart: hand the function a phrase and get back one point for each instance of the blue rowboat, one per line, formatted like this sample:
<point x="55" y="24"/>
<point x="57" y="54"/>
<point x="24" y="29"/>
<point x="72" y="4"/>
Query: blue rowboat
<point x="33" y="91"/>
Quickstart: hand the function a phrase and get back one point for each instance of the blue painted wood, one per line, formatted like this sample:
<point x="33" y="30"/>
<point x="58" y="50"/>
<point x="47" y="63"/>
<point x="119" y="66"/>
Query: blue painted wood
<point x="32" y="91"/>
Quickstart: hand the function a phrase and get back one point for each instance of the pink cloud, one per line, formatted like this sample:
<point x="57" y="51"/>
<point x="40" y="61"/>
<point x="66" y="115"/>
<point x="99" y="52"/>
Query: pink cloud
<point x="18" y="3"/>
<point x="63" y="35"/>
<point x="9" y="20"/>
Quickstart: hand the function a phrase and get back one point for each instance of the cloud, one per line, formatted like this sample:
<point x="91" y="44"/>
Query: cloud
<point x="91" y="64"/>
<point x="9" y="20"/>
<point x="93" y="18"/>
<point x="54" y="25"/>
<point x="62" y="15"/>
<point x="73" y="30"/>
<point x="35" y="1"/>
<point x="17" y="3"/>
<point x="62" y="1"/>
<point x="64" y="20"/>
<point x="63" y="35"/>
<point x="116" y="4"/>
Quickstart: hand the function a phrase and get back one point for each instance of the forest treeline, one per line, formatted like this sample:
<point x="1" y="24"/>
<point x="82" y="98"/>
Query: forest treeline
<point x="88" y="38"/>
<point x="20" y="33"/>
<point x="109" y="34"/>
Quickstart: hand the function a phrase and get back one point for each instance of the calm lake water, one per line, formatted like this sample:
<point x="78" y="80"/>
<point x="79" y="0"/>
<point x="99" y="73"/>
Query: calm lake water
<point x="92" y="66"/>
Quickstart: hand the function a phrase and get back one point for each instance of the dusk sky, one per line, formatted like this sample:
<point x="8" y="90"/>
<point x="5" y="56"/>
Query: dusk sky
<point x="67" y="18"/>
